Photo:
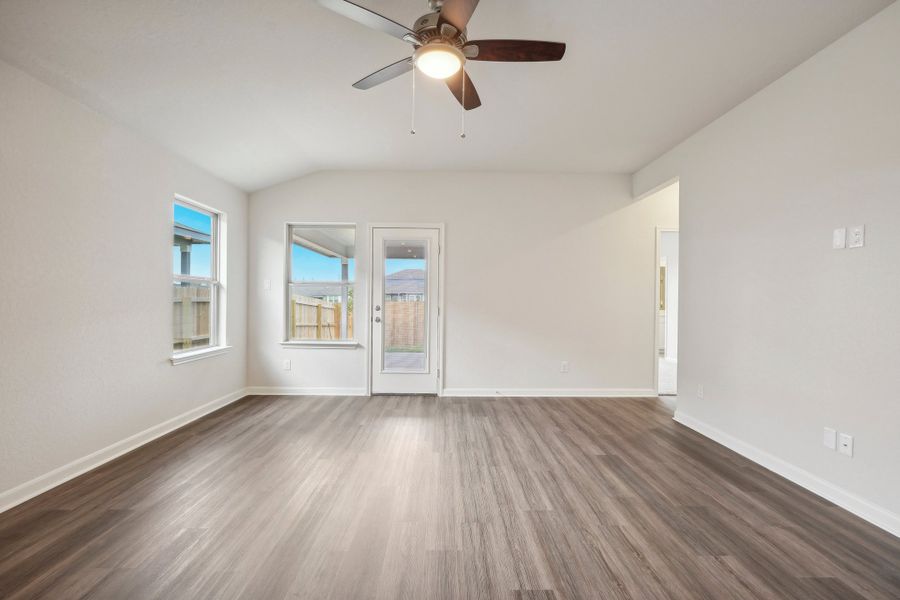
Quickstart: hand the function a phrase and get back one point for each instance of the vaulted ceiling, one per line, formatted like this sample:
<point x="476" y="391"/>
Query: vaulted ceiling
<point x="259" y="92"/>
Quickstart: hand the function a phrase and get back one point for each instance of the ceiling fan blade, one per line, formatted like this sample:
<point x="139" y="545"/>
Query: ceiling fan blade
<point x="455" y="83"/>
<point x="514" y="50"/>
<point x="458" y="12"/>
<point x="389" y="72"/>
<point x="366" y="17"/>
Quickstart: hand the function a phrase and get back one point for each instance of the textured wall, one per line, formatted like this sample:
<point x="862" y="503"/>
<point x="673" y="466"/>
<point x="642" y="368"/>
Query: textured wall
<point x="85" y="274"/>
<point x="785" y="334"/>
<point x="539" y="269"/>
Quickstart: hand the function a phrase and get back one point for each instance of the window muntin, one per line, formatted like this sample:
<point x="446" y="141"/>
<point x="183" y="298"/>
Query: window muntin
<point x="320" y="286"/>
<point x="196" y="287"/>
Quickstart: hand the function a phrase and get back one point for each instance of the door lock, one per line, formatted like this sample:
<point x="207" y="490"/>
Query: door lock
<point x="378" y="319"/>
<point x="377" y="308"/>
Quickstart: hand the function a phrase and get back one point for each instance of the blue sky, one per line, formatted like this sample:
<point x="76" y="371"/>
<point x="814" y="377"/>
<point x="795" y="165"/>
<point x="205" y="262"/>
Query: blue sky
<point x="307" y="265"/>
<point x="199" y="252"/>
<point x="392" y="265"/>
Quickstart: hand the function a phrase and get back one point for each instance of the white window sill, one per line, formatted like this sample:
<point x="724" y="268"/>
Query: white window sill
<point x="337" y="344"/>
<point x="191" y="356"/>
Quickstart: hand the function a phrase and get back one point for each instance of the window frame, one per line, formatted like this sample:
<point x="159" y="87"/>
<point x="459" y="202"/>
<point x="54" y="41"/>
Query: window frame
<point x="216" y="281"/>
<point x="287" y="281"/>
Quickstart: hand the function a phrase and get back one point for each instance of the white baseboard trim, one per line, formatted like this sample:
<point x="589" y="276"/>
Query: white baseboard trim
<point x="305" y="391"/>
<point x="58" y="476"/>
<point x="862" y="508"/>
<point x="549" y="393"/>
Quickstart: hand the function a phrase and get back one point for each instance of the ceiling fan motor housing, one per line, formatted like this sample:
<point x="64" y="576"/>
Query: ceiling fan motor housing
<point x="426" y="28"/>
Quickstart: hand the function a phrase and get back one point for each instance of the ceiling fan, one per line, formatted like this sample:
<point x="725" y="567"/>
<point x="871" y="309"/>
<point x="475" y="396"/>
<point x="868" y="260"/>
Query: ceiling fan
<point x="442" y="47"/>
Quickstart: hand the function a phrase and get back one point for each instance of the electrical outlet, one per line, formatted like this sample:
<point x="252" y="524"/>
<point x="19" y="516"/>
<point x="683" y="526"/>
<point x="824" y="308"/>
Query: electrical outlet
<point x="845" y="444"/>
<point x="700" y="391"/>
<point x="564" y="366"/>
<point x="829" y="438"/>
<point x="856" y="236"/>
<point x="287" y="365"/>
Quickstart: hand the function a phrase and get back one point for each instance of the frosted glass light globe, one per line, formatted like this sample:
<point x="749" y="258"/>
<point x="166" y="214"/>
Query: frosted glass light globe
<point x="439" y="61"/>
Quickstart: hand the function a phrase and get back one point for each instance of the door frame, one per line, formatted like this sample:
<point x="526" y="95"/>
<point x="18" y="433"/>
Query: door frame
<point x="659" y="232"/>
<point x="439" y="359"/>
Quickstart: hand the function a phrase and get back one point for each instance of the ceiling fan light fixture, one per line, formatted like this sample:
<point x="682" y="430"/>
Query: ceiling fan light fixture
<point x="439" y="61"/>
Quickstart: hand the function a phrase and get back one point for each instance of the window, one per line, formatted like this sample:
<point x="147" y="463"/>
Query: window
<point x="197" y="289"/>
<point x="320" y="275"/>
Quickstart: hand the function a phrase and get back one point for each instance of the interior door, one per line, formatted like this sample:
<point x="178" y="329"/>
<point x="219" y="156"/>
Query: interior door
<point x="404" y="310"/>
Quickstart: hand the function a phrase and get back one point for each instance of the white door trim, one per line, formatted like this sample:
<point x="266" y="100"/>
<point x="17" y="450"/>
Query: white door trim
<point x="659" y="232"/>
<point x="440" y="296"/>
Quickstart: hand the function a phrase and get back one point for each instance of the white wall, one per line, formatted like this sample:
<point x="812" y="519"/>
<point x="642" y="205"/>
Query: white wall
<point x="668" y="249"/>
<point x="540" y="269"/>
<point x="818" y="338"/>
<point x="85" y="273"/>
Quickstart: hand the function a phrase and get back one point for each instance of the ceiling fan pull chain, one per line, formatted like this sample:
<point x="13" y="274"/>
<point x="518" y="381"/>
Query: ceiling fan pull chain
<point x="412" y="126"/>
<point x="462" y="132"/>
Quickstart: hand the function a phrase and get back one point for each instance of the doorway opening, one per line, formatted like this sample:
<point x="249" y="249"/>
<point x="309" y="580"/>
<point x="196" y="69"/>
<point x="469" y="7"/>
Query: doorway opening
<point x="667" y="312"/>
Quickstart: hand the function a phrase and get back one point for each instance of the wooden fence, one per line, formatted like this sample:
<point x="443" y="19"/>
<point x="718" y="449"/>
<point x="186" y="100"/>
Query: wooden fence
<point x="315" y="319"/>
<point x="404" y="329"/>
<point x="190" y="316"/>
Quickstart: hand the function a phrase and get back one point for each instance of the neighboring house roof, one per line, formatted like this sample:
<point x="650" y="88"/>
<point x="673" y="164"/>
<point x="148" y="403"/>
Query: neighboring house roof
<point x="407" y="281"/>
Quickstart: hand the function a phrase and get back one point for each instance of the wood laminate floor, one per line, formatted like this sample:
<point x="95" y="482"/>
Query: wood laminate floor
<point x="420" y="498"/>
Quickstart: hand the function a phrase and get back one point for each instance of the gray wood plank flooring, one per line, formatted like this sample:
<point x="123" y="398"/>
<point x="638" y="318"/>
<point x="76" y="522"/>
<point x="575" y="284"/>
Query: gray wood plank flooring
<point x="419" y="497"/>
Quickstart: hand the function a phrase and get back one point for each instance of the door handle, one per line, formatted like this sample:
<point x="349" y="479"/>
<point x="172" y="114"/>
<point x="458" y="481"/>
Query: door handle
<point x="378" y="319"/>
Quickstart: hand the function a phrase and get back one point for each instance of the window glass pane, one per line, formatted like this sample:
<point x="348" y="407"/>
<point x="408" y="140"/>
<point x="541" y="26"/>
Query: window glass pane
<point x="192" y="242"/>
<point x="322" y="268"/>
<point x="405" y="269"/>
<point x="308" y="265"/>
<point x="319" y="311"/>
<point x="192" y="313"/>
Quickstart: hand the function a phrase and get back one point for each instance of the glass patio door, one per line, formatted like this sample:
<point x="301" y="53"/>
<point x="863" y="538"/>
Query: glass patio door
<point x="404" y="310"/>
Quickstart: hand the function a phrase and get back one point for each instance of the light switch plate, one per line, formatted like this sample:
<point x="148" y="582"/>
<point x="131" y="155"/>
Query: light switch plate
<point x="845" y="444"/>
<point x="839" y="238"/>
<point x="856" y="236"/>
<point x="287" y="365"/>
<point x="267" y="284"/>
<point x="829" y="438"/>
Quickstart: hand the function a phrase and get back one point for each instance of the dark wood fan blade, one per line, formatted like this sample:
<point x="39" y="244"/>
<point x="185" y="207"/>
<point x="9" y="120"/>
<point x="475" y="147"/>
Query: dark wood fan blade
<point x="515" y="50"/>
<point x="366" y="17"/>
<point x="458" y="12"/>
<point x="389" y="72"/>
<point x="455" y="83"/>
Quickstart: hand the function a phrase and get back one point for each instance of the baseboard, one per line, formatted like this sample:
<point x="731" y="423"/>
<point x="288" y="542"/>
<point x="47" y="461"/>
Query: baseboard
<point x="549" y="392"/>
<point x="39" y="485"/>
<point x="305" y="391"/>
<point x="874" y="514"/>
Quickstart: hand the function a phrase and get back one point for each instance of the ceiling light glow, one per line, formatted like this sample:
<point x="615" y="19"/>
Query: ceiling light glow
<point x="439" y="61"/>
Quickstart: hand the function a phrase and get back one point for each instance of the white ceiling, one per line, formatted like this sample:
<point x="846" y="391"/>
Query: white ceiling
<point x="258" y="92"/>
